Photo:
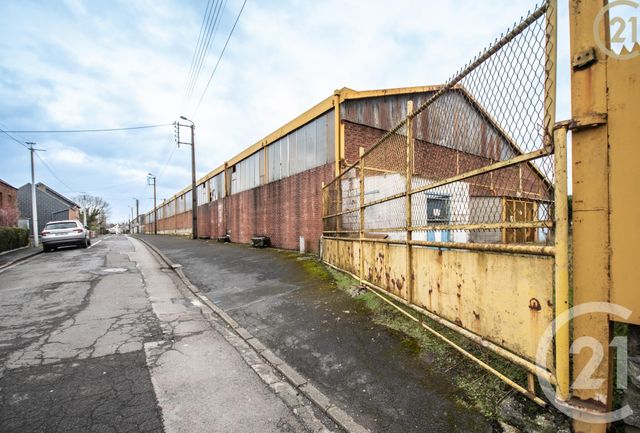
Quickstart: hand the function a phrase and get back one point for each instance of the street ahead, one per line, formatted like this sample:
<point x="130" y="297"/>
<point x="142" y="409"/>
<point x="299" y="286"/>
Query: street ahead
<point x="106" y="340"/>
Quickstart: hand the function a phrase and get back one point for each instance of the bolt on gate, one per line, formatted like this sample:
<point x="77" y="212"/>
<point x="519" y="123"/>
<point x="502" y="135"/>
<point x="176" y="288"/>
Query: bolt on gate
<point x="459" y="211"/>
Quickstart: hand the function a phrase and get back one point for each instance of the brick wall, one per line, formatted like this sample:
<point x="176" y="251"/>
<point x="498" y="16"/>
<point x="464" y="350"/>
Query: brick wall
<point x="284" y="210"/>
<point x="8" y="196"/>
<point x="435" y="162"/>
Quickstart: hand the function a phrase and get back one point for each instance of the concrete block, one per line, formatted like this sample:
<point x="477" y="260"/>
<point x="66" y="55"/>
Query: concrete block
<point x="244" y="333"/>
<point x="345" y="421"/>
<point x="271" y="358"/>
<point x="316" y="396"/>
<point x="266" y="373"/>
<point x="287" y="393"/>
<point x="291" y="374"/>
<point x="255" y="343"/>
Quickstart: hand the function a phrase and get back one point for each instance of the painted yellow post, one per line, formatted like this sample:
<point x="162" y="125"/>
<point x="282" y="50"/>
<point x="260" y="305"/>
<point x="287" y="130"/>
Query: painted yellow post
<point x="590" y="200"/>
<point x="561" y="261"/>
<point x="361" y="214"/>
<point x="337" y="141"/>
<point x="551" y="48"/>
<point x="336" y="132"/>
<point x="408" y="209"/>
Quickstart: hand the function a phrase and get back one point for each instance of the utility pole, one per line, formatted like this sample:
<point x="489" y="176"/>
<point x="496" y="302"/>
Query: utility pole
<point x="34" y="205"/>
<point x="137" y="215"/>
<point x="84" y="209"/>
<point x="194" y="196"/>
<point x="150" y="178"/>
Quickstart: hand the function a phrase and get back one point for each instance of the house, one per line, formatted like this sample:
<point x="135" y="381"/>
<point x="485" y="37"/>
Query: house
<point x="8" y="204"/>
<point x="274" y="187"/>
<point x="52" y="206"/>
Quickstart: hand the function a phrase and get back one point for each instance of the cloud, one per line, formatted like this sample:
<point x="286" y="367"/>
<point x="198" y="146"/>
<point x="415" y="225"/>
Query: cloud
<point x="87" y="64"/>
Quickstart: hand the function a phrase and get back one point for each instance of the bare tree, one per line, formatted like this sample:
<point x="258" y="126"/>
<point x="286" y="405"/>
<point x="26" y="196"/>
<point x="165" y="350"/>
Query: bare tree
<point x="97" y="209"/>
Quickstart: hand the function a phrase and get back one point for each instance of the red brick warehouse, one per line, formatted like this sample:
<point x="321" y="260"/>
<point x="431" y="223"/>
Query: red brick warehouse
<point x="274" y="187"/>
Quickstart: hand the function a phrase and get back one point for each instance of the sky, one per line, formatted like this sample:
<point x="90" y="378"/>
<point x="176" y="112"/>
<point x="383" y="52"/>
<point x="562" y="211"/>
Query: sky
<point x="93" y="64"/>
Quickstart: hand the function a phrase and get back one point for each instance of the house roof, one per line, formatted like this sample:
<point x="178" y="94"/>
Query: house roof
<point x="8" y="185"/>
<point x="53" y="193"/>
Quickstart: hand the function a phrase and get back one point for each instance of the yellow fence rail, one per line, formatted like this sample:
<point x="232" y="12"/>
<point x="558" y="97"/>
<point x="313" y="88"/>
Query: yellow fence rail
<point x="453" y="211"/>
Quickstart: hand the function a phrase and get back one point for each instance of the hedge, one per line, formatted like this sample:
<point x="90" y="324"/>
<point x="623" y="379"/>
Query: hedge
<point x="13" y="237"/>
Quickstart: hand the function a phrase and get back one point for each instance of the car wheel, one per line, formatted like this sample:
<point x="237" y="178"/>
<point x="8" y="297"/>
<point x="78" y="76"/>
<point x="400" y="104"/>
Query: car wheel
<point x="89" y="240"/>
<point x="84" y="244"/>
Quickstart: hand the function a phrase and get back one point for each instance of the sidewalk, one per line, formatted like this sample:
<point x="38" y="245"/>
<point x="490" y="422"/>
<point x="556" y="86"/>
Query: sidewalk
<point x="206" y="379"/>
<point x="7" y="258"/>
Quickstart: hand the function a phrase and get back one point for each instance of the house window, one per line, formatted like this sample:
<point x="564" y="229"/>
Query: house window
<point x="519" y="211"/>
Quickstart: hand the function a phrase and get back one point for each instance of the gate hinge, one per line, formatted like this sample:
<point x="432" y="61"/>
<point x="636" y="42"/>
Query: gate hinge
<point x="590" y="120"/>
<point x="584" y="59"/>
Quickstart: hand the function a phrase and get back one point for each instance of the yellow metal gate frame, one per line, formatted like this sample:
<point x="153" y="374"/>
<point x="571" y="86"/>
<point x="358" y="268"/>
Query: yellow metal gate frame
<point x="340" y="224"/>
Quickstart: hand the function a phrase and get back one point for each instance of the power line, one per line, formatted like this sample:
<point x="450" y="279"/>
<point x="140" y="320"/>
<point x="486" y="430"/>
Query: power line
<point x="196" y="52"/>
<point x="13" y="138"/>
<point x="71" y="131"/>
<point x="219" y="58"/>
<point x="166" y="163"/>
<point x="55" y="175"/>
<point x="212" y="36"/>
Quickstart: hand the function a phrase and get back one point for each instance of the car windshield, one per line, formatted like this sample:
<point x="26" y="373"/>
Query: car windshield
<point x="63" y="225"/>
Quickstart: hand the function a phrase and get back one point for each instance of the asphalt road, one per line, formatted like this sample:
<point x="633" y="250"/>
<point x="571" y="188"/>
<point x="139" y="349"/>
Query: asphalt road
<point x="105" y="340"/>
<point x="326" y="335"/>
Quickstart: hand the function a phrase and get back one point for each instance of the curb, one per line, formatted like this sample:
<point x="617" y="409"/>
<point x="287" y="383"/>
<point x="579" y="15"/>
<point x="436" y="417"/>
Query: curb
<point x="15" y="249"/>
<point x="299" y="382"/>
<point x="19" y="259"/>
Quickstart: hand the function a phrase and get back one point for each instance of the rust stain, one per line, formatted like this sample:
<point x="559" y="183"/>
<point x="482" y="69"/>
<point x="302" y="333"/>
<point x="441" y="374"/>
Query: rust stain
<point x="534" y="304"/>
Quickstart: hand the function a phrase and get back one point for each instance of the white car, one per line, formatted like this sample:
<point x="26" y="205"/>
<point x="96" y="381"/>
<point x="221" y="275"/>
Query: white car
<point x="63" y="233"/>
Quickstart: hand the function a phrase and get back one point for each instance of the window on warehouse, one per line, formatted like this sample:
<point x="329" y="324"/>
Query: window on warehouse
<point x="202" y="194"/>
<point x="187" y="201"/>
<point x="216" y="185"/>
<point x="246" y="174"/>
<point x="309" y="146"/>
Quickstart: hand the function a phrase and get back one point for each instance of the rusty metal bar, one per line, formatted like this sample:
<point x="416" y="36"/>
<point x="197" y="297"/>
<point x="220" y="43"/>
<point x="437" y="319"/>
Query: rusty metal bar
<point x="551" y="44"/>
<point x="561" y="264"/>
<point x="480" y="226"/>
<point x="341" y="213"/>
<point x="486" y="169"/>
<point x="521" y="362"/>
<point x="408" y="210"/>
<point x="469" y="174"/>
<point x="527" y="393"/>
<point x="487" y="226"/>
<point x="361" y="213"/>
<point x="538" y="250"/>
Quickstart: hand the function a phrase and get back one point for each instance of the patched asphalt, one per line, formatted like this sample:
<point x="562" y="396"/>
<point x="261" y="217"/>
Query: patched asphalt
<point x="111" y="393"/>
<point x="325" y="335"/>
<point x="71" y="344"/>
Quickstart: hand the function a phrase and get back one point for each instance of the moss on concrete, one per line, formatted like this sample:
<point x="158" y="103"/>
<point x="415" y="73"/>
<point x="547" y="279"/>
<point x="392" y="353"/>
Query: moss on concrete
<point x="476" y="388"/>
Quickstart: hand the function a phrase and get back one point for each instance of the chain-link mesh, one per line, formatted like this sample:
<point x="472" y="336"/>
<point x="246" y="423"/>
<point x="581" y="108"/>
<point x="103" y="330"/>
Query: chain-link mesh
<point x="477" y="158"/>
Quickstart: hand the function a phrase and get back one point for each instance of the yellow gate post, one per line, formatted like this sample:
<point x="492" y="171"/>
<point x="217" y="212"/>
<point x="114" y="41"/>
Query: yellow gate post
<point x="361" y="215"/>
<point x="561" y="261"/>
<point x="590" y="201"/>
<point x="408" y="188"/>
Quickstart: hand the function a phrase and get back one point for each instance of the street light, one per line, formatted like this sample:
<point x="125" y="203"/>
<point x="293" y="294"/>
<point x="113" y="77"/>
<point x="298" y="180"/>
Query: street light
<point x="194" y="197"/>
<point x="155" y="210"/>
